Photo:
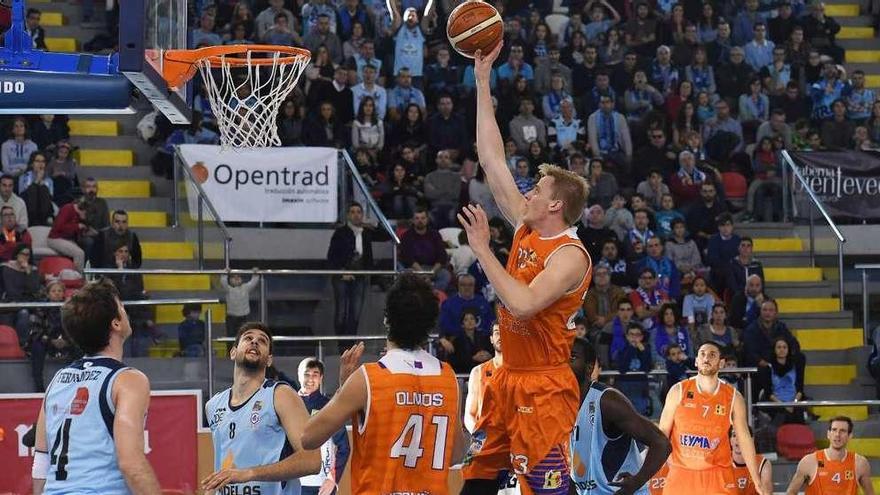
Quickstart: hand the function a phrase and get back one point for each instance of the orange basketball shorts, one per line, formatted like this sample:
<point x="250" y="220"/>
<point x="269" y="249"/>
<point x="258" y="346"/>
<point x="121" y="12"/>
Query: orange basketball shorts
<point x="526" y="421"/>
<point x="717" y="481"/>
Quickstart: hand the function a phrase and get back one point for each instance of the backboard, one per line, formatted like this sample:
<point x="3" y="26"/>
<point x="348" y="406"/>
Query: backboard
<point x="147" y="28"/>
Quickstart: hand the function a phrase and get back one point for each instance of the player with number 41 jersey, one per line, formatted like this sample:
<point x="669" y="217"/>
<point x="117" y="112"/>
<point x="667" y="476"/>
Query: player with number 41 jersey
<point x="404" y="408"/>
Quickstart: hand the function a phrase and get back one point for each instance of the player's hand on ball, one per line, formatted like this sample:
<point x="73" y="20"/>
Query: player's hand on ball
<point x="475" y="222"/>
<point x="349" y="361"/>
<point x="224" y="477"/>
<point x="483" y="63"/>
<point x="625" y="483"/>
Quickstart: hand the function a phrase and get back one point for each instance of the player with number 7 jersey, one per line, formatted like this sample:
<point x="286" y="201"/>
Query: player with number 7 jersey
<point x="404" y="408"/>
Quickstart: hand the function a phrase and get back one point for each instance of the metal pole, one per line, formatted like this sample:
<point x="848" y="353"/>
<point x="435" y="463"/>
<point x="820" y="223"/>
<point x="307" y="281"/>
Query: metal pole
<point x="812" y="241"/>
<point x="321" y="351"/>
<point x="264" y="306"/>
<point x="749" y="400"/>
<point x="785" y="192"/>
<point x="175" y="201"/>
<point x="200" y="229"/>
<point x="210" y="350"/>
<point x="840" y="269"/>
<point x="865" y="323"/>
<point x="226" y="248"/>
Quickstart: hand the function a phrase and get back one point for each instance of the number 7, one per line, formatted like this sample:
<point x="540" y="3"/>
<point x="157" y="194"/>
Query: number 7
<point x="705" y="411"/>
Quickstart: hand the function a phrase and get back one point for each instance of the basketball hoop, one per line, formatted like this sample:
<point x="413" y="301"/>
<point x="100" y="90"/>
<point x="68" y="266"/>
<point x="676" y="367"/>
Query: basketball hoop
<point x="245" y="85"/>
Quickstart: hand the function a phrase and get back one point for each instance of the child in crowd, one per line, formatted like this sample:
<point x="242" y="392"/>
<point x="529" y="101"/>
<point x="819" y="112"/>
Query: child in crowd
<point x="238" y="300"/>
<point x="677" y="365"/>
<point x="191" y="332"/>
<point x="697" y="306"/>
<point x="635" y="356"/>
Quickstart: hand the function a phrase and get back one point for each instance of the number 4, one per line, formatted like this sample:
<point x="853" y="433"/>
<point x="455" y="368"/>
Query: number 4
<point x="62" y="440"/>
<point x="413" y="451"/>
<point x="836" y="478"/>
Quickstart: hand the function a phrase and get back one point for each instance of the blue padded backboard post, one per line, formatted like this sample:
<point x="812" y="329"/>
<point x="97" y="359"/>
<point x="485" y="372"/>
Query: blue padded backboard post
<point x="17" y="38"/>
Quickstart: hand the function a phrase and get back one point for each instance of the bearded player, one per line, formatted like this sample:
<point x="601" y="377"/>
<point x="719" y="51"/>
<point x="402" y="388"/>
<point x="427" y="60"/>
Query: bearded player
<point x="603" y="444"/>
<point x="697" y="417"/>
<point x="256" y="425"/>
<point x="835" y="470"/>
<point x="530" y="405"/>
<point x="404" y="409"/>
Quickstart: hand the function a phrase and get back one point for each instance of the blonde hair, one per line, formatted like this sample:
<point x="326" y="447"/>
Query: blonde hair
<point x="570" y="188"/>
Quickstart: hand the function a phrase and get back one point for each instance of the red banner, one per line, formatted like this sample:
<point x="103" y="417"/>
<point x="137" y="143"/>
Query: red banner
<point x="171" y="444"/>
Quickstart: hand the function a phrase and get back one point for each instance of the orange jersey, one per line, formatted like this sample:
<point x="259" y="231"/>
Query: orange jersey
<point x="546" y="338"/>
<point x="483" y="374"/>
<point x="744" y="483"/>
<point x="834" y="477"/>
<point x="403" y="442"/>
<point x="701" y="425"/>
<point x="658" y="482"/>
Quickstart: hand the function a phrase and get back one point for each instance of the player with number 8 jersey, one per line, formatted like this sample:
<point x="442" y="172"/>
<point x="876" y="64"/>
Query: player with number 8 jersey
<point x="404" y="408"/>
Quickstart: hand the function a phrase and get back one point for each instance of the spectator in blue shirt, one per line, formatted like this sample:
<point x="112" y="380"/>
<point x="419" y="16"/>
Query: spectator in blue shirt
<point x="744" y="23"/>
<point x="826" y="91"/>
<point x="372" y="89"/>
<point x="859" y="99"/>
<point x="404" y="94"/>
<point x="191" y="332"/>
<point x="759" y="51"/>
<point x="516" y="65"/>
<point x="205" y="35"/>
<point x="467" y="298"/>
<point x="598" y="23"/>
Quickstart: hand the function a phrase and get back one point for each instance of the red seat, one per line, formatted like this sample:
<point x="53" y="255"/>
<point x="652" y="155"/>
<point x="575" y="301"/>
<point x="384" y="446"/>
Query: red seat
<point x="735" y="185"/>
<point x="52" y="265"/>
<point x="795" y="441"/>
<point x="9" y="346"/>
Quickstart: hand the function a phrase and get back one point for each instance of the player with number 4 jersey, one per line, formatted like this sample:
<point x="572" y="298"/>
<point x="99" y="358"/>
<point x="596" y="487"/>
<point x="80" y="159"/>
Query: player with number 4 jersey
<point x="404" y="408"/>
<point x="834" y="470"/>
<point x="90" y="433"/>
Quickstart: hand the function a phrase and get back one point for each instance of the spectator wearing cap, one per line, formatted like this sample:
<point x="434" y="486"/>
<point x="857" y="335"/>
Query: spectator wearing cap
<point x="759" y="51"/>
<point x="745" y="21"/>
<point x="663" y="74"/>
<point x="601" y="300"/>
<point x="701" y="216"/>
<point x="11" y="234"/>
<point x="16" y="151"/>
<point x="780" y="27"/>
<point x="372" y="89"/>
<point x="647" y="299"/>
<point x="686" y="182"/>
<point x="593" y="233"/>
<point x="322" y="35"/>
<point x="822" y="30"/>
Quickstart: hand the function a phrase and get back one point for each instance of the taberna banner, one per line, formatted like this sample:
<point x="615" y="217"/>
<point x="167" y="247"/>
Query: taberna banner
<point x="846" y="182"/>
<point x="265" y="184"/>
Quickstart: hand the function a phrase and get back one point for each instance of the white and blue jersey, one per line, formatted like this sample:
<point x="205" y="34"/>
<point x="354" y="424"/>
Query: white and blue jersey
<point x="597" y="458"/>
<point x="79" y="414"/>
<point x="247" y="435"/>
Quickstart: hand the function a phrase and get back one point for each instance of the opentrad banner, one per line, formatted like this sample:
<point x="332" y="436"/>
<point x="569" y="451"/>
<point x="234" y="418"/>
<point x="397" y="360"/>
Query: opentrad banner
<point x="265" y="184"/>
<point x="846" y="182"/>
<point x="170" y="441"/>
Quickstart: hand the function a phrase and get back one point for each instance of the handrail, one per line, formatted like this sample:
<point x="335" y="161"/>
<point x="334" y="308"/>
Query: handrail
<point x="866" y="324"/>
<point x="817" y="403"/>
<point x="227" y="238"/>
<point x="787" y="160"/>
<point x="142" y="302"/>
<point x="660" y="372"/>
<point x="360" y="182"/>
<point x="273" y="272"/>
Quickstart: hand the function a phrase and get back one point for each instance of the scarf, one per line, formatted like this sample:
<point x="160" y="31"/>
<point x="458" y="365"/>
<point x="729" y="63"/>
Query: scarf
<point x="607" y="132"/>
<point x="554" y="100"/>
<point x="701" y="77"/>
<point x="618" y="341"/>
<point x="652" y="299"/>
<point x="696" y="176"/>
<point x="663" y="340"/>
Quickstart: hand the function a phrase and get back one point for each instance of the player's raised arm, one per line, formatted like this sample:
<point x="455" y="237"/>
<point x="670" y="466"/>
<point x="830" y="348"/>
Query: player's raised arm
<point x="673" y="397"/>
<point x="41" y="454"/>
<point x="863" y="474"/>
<point x="746" y="444"/>
<point x="616" y="407"/>
<point x="131" y="395"/>
<point x="805" y="469"/>
<point x="350" y="398"/>
<point x="490" y="147"/>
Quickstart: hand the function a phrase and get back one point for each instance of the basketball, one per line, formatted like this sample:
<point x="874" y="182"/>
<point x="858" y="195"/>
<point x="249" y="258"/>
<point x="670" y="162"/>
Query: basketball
<point x="474" y="25"/>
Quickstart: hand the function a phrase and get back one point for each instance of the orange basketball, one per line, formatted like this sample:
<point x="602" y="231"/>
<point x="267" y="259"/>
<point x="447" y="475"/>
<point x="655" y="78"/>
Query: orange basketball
<point x="474" y="25"/>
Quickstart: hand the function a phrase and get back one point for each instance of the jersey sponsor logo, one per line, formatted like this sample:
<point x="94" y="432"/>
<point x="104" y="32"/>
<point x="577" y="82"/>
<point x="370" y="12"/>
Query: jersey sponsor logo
<point x="586" y="485"/>
<point x="418" y="399"/>
<point x="690" y="394"/>
<point x="525" y="409"/>
<point x="592" y="412"/>
<point x="848" y="475"/>
<point x="525" y="257"/>
<point x="258" y="406"/>
<point x="255" y="418"/>
<point x="552" y="479"/>
<point x="698" y="441"/>
<point x="218" y="416"/>
<point x="79" y="402"/>
<point x="720" y="410"/>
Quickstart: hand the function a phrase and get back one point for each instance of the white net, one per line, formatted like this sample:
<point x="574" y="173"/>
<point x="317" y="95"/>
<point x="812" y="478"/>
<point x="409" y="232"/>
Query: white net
<point x="246" y="93"/>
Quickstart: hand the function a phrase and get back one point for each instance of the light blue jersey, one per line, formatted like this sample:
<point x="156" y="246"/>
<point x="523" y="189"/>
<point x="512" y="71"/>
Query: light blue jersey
<point x="79" y="415"/>
<point x="249" y="435"/>
<point x="599" y="459"/>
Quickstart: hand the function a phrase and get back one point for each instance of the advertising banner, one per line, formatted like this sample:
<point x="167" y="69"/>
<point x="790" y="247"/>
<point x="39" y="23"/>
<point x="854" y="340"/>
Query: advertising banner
<point x="846" y="182"/>
<point x="173" y="421"/>
<point x="265" y="184"/>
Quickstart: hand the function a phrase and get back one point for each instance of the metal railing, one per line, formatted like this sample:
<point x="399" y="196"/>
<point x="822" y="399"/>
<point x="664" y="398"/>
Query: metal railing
<point x="788" y="163"/>
<point x="140" y="302"/>
<point x="202" y="201"/>
<point x="866" y="303"/>
<point x="264" y="304"/>
<point x="371" y="203"/>
<point x="817" y="403"/>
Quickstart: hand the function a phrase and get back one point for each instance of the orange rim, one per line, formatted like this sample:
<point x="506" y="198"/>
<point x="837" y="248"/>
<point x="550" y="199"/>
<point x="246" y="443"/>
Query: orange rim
<point x="180" y="65"/>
